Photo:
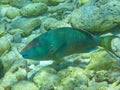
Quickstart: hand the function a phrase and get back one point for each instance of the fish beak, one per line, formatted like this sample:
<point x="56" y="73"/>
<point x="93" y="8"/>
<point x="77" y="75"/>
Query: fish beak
<point x="24" y="55"/>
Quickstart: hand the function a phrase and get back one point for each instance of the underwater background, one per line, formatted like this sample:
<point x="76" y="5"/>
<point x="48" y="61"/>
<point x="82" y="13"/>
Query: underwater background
<point x="23" y="20"/>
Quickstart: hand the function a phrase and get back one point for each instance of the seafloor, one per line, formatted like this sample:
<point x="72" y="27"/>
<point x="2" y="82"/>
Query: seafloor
<point x="23" y="20"/>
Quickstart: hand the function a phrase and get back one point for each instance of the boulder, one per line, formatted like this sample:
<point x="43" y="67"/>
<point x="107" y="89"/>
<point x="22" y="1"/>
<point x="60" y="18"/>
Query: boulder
<point x="34" y="9"/>
<point x="97" y="16"/>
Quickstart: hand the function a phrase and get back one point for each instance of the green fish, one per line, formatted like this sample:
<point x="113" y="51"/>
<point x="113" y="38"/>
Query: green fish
<point x="61" y="42"/>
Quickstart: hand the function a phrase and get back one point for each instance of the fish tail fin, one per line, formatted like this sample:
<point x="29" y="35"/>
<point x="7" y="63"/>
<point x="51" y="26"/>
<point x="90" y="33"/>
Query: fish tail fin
<point x="105" y="41"/>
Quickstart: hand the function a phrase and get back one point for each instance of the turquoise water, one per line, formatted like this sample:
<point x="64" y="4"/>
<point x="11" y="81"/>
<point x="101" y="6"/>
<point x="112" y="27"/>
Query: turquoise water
<point x="67" y="59"/>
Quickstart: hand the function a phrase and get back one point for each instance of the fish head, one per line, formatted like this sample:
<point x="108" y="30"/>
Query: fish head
<point x="37" y="49"/>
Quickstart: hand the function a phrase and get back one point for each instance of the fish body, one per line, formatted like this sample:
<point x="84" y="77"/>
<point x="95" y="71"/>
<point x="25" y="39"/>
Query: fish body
<point x="61" y="42"/>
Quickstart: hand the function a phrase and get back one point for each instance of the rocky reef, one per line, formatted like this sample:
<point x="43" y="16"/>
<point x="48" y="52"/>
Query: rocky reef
<point x="23" y="20"/>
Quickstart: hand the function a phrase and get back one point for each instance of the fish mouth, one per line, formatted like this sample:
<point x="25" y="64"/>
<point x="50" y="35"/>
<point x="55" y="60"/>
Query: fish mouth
<point x="24" y="55"/>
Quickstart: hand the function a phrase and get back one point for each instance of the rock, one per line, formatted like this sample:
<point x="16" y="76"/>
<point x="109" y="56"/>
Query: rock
<point x="46" y="78"/>
<point x="1" y="70"/>
<point x="4" y="45"/>
<point x="19" y="3"/>
<point x="49" y="2"/>
<point x="32" y="70"/>
<point x="16" y="73"/>
<point x="104" y="75"/>
<point x="47" y="23"/>
<point x="97" y="86"/>
<point x="113" y="87"/>
<point x="115" y="46"/>
<point x="20" y="31"/>
<point x="33" y="9"/>
<point x="96" y="16"/>
<point x="72" y="77"/>
<point x="115" y="30"/>
<point x="100" y="60"/>
<point x="61" y="7"/>
<point x="17" y="37"/>
<point x="115" y="74"/>
<point x="24" y="85"/>
<point x="82" y="87"/>
<point x="61" y="11"/>
<point x="35" y="66"/>
<point x="78" y="3"/>
<point x="3" y="9"/>
<point x="9" y="58"/>
<point x="2" y="28"/>
<point x="1" y="88"/>
<point x="84" y="1"/>
<point x="9" y="37"/>
<point x="4" y="1"/>
<point x="12" y="12"/>
<point x="55" y="24"/>
<point x="24" y="25"/>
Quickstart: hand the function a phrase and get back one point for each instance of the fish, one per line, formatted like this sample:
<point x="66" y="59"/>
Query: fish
<point x="61" y="42"/>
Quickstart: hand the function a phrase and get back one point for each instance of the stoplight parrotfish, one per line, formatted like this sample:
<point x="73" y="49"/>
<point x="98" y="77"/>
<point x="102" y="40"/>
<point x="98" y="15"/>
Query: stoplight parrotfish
<point x="61" y="42"/>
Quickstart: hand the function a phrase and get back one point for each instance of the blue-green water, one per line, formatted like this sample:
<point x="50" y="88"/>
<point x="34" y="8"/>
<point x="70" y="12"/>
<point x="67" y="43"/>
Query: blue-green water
<point x="69" y="65"/>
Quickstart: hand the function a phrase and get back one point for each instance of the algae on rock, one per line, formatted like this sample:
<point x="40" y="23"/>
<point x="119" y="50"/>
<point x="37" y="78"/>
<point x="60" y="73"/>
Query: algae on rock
<point x="24" y="85"/>
<point x="19" y="3"/>
<point x="49" y="2"/>
<point x="46" y="78"/>
<point x="2" y="28"/>
<point x="72" y="77"/>
<point x="9" y="58"/>
<point x="4" y="1"/>
<point x="96" y="16"/>
<point x="116" y="46"/>
<point x="34" y="9"/>
<point x="55" y="24"/>
<point x="101" y="60"/>
<point x="25" y="25"/>
<point x="16" y="73"/>
<point x="4" y="45"/>
<point x="12" y="12"/>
